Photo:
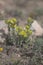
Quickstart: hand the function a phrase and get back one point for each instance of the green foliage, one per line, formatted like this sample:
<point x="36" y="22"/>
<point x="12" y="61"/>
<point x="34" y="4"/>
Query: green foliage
<point x="39" y="41"/>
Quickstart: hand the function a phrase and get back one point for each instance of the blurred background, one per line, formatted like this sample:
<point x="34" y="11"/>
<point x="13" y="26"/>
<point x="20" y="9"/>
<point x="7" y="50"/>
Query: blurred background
<point x="21" y="9"/>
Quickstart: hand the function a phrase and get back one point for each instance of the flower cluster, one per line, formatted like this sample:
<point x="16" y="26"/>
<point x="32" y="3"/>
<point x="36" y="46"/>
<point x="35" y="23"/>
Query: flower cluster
<point x="23" y="33"/>
<point x="11" y="22"/>
<point x="30" y="20"/>
<point x="18" y="31"/>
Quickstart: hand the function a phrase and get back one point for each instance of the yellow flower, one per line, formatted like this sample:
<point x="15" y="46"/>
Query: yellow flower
<point x="1" y="49"/>
<point x="15" y="26"/>
<point x="23" y="33"/>
<point x="11" y="21"/>
<point x="30" y="20"/>
<point x="27" y="27"/>
<point x="14" y="19"/>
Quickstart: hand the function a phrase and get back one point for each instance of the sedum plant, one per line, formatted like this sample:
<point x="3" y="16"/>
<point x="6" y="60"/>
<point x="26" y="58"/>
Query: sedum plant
<point x="18" y="34"/>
